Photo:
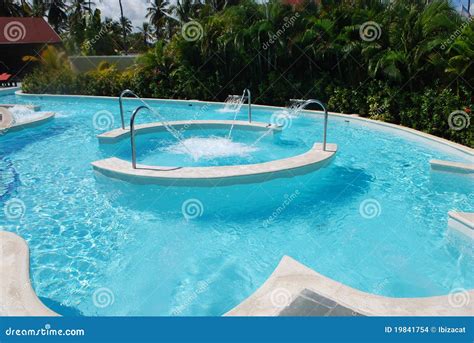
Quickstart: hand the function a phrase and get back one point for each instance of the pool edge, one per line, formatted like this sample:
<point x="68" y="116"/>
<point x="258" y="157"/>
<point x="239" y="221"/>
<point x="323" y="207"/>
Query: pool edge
<point x="290" y="278"/>
<point x="17" y="296"/>
<point x="356" y="117"/>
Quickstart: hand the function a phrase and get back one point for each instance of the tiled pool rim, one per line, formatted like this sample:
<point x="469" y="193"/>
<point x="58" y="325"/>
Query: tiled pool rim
<point x="355" y="117"/>
<point x="290" y="279"/>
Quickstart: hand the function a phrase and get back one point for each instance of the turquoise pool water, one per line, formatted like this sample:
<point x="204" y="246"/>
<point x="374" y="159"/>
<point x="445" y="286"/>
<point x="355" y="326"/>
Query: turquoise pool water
<point x="105" y="247"/>
<point x="207" y="147"/>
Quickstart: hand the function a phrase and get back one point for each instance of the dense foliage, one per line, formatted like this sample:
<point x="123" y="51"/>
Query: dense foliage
<point x="413" y="65"/>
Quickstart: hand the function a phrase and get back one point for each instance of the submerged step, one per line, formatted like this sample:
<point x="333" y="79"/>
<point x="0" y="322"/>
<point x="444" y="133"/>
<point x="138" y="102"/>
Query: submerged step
<point x="294" y="289"/>
<point x="453" y="167"/>
<point x="462" y="222"/>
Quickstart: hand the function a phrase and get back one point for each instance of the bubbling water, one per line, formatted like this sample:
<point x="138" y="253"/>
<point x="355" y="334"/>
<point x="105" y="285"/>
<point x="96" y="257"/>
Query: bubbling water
<point x="233" y="103"/>
<point x="22" y="114"/>
<point x="211" y="147"/>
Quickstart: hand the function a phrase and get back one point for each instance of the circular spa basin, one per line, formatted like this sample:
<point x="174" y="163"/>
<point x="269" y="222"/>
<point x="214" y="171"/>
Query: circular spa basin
<point x="209" y="153"/>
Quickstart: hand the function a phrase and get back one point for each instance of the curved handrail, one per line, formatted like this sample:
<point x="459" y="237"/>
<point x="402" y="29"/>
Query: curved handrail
<point x="125" y="92"/>
<point x="132" y="134"/>
<point x="314" y="101"/>
<point x="249" y="99"/>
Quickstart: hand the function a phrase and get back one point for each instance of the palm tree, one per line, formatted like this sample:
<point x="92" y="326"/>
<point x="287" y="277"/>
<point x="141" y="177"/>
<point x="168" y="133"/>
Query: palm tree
<point x="51" y="59"/>
<point x="416" y="31"/>
<point x="462" y="54"/>
<point x="184" y="9"/>
<point x="124" y="23"/>
<point x="12" y="8"/>
<point x="158" y="12"/>
<point x="38" y="8"/>
<point x="146" y="32"/>
<point x="57" y="14"/>
<point x="77" y="21"/>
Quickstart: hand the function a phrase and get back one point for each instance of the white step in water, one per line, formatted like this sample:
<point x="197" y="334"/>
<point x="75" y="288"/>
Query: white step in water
<point x="462" y="222"/>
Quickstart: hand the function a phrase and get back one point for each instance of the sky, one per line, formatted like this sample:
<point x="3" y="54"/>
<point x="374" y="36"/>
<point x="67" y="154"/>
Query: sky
<point x="135" y="10"/>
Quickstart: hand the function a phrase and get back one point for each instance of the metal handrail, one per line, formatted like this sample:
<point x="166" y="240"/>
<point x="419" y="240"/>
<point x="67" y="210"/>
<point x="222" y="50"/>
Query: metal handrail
<point x="249" y="99"/>
<point x="132" y="134"/>
<point x="125" y="92"/>
<point x="314" y="101"/>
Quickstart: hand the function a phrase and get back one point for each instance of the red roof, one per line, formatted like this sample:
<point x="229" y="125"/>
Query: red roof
<point x="15" y="30"/>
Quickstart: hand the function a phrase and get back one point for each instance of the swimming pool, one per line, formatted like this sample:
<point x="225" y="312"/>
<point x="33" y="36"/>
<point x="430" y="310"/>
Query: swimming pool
<point x="374" y="219"/>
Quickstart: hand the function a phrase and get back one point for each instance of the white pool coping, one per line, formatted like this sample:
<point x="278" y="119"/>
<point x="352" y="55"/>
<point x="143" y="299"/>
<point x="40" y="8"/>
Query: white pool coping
<point x="290" y="278"/>
<point x="9" y="90"/>
<point x="119" y="134"/>
<point x="309" y="161"/>
<point x="453" y="167"/>
<point x="31" y="107"/>
<point x="462" y="222"/>
<point x="351" y="117"/>
<point x="39" y="120"/>
<point x="17" y="297"/>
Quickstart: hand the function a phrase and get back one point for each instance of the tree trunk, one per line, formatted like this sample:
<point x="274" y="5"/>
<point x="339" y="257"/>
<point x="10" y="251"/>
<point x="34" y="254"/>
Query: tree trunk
<point x="124" y="32"/>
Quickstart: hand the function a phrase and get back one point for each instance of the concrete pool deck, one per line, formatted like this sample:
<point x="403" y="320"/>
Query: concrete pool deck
<point x="292" y="287"/>
<point x="309" y="161"/>
<point x="17" y="297"/>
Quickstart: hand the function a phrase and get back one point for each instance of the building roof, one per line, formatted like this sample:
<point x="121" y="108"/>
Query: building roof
<point x="16" y="30"/>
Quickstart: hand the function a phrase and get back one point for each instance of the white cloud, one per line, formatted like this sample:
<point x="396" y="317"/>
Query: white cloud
<point x="135" y="10"/>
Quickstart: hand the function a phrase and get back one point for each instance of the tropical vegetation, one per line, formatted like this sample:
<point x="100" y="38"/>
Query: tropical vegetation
<point x="406" y="62"/>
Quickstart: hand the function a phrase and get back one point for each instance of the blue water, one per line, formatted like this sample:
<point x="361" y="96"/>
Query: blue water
<point x="88" y="233"/>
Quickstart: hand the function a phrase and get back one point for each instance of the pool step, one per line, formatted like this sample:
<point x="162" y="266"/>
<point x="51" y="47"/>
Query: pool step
<point x="296" y="290"/>
<point x="453" y="167"/>
<point x="462" y="222"/>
